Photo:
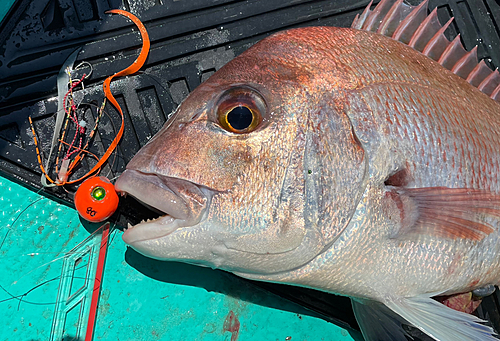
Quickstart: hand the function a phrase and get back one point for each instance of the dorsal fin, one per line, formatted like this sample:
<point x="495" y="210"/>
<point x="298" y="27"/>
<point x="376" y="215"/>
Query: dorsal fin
<point x="412" y="25"/>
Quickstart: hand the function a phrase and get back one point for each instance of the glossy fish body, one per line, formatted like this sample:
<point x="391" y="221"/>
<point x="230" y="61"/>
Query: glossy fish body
<point x="433" y="129"/>
<point x="372" y="172"/>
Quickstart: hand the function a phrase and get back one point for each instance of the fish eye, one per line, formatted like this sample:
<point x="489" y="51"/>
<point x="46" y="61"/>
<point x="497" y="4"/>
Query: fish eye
<point x="240" y="118"/>
<point x="240" y="110"/>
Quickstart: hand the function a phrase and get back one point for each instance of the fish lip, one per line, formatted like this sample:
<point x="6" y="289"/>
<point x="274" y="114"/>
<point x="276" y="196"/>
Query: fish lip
<point x="184" y="203"/>
<point x="150" y="230"/>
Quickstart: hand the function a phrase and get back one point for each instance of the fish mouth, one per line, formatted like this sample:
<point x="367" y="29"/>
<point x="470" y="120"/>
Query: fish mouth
<point x="181" y="203"/>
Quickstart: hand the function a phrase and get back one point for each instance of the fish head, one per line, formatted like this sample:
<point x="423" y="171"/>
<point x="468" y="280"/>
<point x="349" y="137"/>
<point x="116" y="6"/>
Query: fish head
<point x="257" y="171"/>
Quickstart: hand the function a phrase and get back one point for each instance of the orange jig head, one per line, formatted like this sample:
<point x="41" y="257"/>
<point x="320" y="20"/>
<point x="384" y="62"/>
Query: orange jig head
<point x="96" y="199"/>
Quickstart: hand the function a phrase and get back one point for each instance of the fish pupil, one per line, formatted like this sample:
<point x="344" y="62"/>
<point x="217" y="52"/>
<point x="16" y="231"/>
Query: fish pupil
<point x="240" y="118"/>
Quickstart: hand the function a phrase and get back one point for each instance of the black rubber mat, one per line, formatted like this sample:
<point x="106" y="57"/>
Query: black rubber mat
<point x="190" y="40"/>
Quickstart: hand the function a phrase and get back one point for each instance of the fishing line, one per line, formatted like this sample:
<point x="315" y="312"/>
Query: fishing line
<point x="65" y="254"/>
<point x="20" y="296"/>
<point x="56" y="259"/>
<point x="18" y="216"/>
<point x="98" y="136"/>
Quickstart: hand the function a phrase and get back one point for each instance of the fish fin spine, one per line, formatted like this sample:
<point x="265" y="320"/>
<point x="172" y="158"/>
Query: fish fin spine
<point x="412" y="26"/>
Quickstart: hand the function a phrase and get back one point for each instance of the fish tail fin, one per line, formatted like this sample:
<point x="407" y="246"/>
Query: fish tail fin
<point x="412" y="26"/>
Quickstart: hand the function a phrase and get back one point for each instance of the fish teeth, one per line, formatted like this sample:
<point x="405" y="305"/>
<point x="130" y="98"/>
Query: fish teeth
<point x="129" y="226"/>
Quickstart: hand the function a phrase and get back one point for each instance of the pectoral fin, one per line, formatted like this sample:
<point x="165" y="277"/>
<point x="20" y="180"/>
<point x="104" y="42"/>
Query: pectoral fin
<point x="455" y="213"/>
<point x="440" y="322"/>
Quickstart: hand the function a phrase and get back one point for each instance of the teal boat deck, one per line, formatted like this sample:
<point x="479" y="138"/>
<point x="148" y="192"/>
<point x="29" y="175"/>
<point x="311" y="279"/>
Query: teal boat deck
<point x="140" y="299"/>
<point x="49" y="256"/>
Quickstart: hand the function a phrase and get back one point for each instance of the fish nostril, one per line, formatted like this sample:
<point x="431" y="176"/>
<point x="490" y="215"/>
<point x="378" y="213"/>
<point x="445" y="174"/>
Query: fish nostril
<point x="195" y="116"/>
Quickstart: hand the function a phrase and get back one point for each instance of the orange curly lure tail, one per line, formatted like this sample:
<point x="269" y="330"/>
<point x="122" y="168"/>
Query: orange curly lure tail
<point x="136" y="65"/>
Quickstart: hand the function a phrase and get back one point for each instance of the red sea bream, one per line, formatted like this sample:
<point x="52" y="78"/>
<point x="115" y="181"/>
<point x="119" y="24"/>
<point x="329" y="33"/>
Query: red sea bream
<point x="360" y="161"/>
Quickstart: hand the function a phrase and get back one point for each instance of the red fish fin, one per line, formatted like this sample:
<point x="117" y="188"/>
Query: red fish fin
<point x="438" y="43"/>
<point x="479" y="74"/>
<point x="490" y="83"/>
<point x="394" y="16"/>
<point x="412" y="25"/>
<point x="360" y="19"/>
<point x="376" y="17"/>
<point x="466" y="64"/>
<point x="426" y="32"/>
<point x="496" y="93"/>
<point x="452" y="53"/>
<point x="454" y="213"/>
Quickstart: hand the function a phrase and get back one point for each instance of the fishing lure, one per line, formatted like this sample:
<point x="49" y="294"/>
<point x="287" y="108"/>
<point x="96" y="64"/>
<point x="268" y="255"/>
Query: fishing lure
<point x="96" y="199"/>
<point x="68" y="166"/>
